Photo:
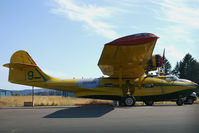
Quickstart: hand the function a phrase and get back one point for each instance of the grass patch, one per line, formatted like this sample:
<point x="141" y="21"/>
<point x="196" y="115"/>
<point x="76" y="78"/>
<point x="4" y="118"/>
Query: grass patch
<point x="17" y="101"/>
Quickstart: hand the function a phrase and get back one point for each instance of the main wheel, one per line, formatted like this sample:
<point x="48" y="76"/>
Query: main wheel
<point x="149" y="102"/>
<point x="129" y="101"/>
<point x="180" y="102"/>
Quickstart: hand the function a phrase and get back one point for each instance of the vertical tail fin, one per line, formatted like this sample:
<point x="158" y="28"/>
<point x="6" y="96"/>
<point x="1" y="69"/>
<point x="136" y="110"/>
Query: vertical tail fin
<point x="23" y="69"/>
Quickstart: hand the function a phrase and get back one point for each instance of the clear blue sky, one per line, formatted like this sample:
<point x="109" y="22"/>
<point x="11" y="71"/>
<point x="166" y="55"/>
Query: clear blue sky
<point x="66" y="37"/>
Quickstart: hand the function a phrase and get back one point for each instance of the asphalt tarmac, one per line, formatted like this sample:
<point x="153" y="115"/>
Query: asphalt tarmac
<point x="101" y="119"/>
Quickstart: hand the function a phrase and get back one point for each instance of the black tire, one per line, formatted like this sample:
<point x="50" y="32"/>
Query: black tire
<point x="180" y="102"/>
<point x="149" y="102"/>
<point x="129" y="101"/>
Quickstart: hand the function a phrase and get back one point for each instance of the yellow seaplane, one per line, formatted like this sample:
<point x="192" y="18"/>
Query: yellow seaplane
<point x="126" y="61"/>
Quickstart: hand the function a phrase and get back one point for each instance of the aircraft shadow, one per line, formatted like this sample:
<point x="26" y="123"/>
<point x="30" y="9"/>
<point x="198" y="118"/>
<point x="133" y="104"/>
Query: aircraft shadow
<point x="81" y="112"/>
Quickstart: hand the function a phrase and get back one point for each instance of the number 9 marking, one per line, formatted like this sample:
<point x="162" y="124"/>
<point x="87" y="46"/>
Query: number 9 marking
<point x="30" y="75"/>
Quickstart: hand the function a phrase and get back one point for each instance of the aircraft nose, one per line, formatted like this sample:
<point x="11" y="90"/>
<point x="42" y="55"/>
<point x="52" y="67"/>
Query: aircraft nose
<point x="195" y="84"/>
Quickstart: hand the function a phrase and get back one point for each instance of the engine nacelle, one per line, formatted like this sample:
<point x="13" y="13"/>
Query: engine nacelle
<point x="155" y="62"/>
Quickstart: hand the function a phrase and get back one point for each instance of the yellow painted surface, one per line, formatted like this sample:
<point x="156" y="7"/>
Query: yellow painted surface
<point x="131" y="59"/>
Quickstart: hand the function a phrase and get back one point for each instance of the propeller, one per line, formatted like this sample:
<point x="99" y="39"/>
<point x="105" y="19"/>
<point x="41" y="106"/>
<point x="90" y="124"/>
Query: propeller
<point x="163" y="60"/>
<point x="163" y="56"/>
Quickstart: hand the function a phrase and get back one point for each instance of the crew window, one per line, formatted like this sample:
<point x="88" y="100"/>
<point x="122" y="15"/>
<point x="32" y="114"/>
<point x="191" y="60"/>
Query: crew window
<point x="171" y="78"/>
<point x="149" y="85"/>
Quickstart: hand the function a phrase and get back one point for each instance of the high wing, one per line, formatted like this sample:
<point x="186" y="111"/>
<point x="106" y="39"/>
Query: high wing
<point x="127" y="56"/>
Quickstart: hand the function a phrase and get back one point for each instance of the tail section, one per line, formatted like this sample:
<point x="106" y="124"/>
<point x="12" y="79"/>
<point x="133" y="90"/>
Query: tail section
<point x="23" y="69"/>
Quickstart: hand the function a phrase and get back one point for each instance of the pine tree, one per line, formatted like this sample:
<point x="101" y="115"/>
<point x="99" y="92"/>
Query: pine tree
<point x="189" y="68"/>
<point x="167" y="66"/>
<point x="175" y="71"/>
<point x="194" y="74"/>
<point x="185" y="66"/>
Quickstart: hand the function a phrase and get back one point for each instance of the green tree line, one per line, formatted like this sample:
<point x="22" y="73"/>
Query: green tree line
<point x="187" y="68"/>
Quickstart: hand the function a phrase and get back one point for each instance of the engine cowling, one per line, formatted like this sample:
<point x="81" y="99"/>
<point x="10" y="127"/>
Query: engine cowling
<point x="155" y="62"/>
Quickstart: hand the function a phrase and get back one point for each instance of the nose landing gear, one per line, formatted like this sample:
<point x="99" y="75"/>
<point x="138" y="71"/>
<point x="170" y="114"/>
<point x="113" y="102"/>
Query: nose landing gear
<point x="180" y="102"/>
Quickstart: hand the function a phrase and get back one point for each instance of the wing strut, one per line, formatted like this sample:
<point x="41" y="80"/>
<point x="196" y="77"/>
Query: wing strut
<point x="120" y="80"/>
<point x="127" y="88"/>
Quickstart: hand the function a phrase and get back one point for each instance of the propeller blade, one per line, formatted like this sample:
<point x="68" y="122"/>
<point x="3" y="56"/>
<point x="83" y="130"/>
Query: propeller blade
<point x="163" y="56"/>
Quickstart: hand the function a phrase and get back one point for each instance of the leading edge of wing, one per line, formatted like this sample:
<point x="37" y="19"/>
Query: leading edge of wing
<point x="135" y="39"/>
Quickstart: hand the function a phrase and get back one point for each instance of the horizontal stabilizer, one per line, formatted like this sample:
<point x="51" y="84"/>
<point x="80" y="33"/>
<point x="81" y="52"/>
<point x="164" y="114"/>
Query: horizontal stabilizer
<point x="18" y="65"/>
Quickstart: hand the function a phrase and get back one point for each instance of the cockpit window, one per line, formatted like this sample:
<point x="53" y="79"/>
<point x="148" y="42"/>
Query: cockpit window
<point x="171" y="78"/>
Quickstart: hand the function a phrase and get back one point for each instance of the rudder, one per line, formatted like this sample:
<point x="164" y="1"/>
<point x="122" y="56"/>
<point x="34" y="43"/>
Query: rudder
<point x="24" y="70"/>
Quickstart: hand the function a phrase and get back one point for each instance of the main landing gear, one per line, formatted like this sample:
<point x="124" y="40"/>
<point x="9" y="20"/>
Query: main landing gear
<point x="127" y="90"/>
<point x="127" y="101"/>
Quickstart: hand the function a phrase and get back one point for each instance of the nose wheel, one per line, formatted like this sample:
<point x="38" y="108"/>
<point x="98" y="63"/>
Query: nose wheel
<point x="180" y="102"/>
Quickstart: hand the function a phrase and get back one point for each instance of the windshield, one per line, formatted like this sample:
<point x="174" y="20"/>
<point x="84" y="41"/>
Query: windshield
<point x="171" y="78"/>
